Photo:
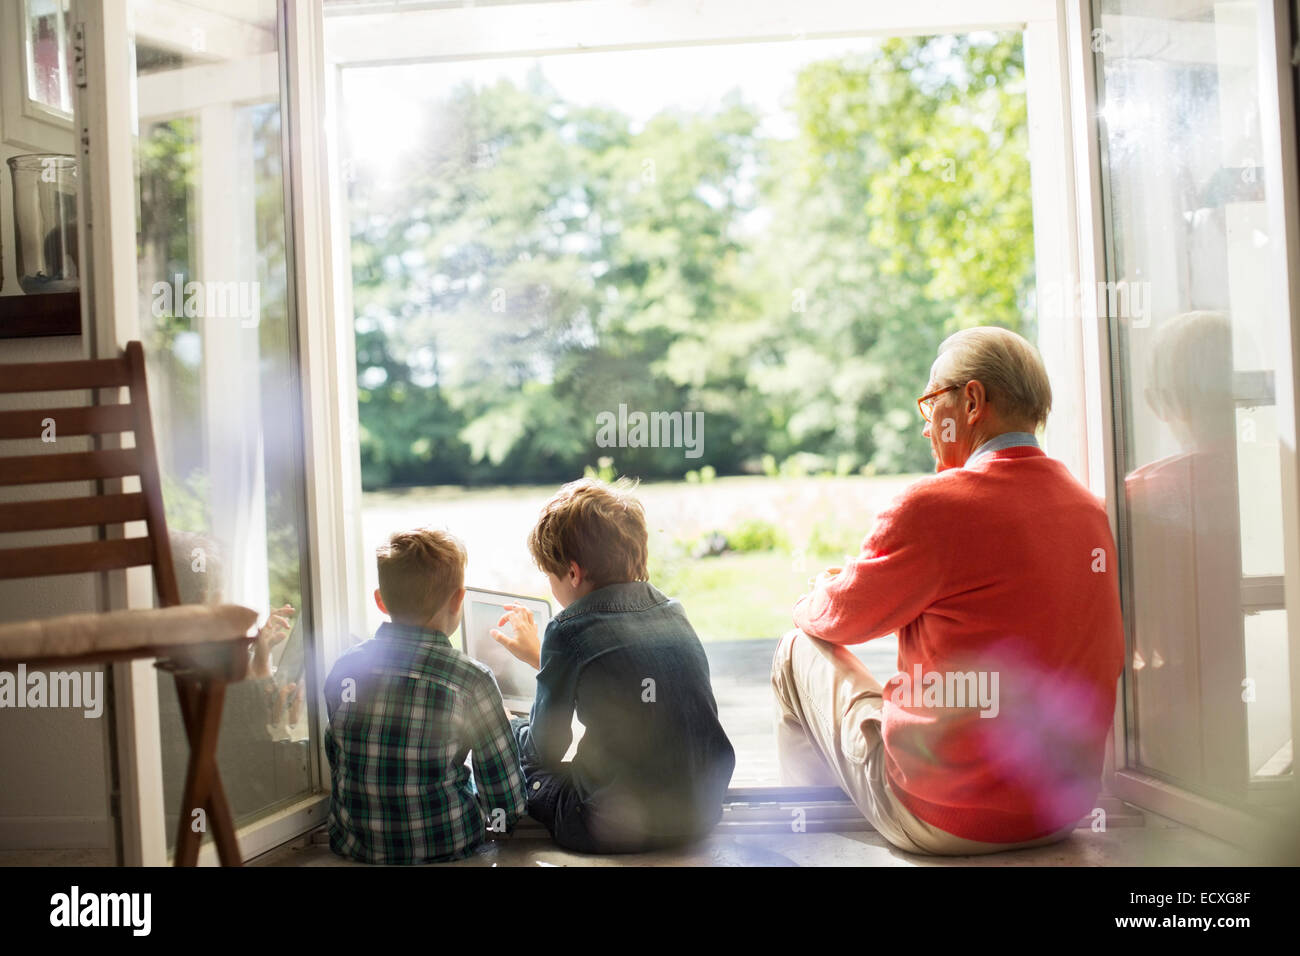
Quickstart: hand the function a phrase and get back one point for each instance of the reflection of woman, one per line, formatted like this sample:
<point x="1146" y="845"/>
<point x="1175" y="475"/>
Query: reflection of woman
<point x="1186" y="562"/>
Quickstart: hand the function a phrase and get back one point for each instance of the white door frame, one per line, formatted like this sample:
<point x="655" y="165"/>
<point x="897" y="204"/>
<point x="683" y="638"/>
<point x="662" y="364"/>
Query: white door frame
<point x="1066" y="202"/>
<point x="1069" y="249"/>
<point x="102" y="91"/>
<point x="322" y="302"/>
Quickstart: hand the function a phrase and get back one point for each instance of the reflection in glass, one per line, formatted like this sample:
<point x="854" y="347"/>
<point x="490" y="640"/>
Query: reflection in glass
<point x="1271" y="753"/>
<point x="1183" y="541"/>
<point x="216" y="325"/>
<point x="1187" y="203"/>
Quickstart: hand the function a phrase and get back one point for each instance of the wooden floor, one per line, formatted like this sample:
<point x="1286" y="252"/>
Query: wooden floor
<point x="1135" y="839"/>
<point x="1154" y="842"/>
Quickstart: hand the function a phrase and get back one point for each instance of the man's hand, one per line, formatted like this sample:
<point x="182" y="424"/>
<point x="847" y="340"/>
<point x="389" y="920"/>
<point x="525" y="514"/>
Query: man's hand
<point x="824" y="578"/>
<point x="525" y="643"/>
<point x="822" y="581"/>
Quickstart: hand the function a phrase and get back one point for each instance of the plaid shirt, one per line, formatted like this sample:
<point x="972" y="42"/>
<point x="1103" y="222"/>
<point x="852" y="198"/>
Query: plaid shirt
<point x="397" y="742"/>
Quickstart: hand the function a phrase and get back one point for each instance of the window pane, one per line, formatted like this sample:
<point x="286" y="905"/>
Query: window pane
<point x="48" y="54"/>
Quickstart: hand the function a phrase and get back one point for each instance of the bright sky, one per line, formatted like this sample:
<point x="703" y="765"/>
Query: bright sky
<point x="380" y="101"/>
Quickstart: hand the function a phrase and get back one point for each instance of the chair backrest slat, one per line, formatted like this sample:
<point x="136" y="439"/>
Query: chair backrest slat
<point x="65" y="376"/>
<point x="98" y="509"/>
<point x="49" y="513"/>
<point x="71" y="466"/>
<point x="53" y="559"/>
<point x="79" y="420"/>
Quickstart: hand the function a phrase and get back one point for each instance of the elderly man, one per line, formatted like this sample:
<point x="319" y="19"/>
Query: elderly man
<point x="998" y="574"/>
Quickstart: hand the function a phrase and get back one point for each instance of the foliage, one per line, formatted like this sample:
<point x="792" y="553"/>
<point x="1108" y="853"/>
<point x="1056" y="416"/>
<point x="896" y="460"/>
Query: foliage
<point x="185" y="503"/>
<point x="604" y="470"/>
<point x="542" y="262"/>
<point x="755" y="534"/>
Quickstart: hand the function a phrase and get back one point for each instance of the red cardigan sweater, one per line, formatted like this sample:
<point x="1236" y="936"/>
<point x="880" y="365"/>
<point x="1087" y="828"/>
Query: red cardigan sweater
<point x="1006" y="567"/>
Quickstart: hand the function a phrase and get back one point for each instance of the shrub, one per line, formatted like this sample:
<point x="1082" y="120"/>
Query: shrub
<point x="754" y="534"/>
<point x="605" y="470"/>
<point x="804" y="463"/>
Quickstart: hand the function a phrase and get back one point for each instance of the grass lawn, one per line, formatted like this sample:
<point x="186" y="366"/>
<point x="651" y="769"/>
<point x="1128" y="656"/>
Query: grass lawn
<point x="735" y="597"/>
<point x="797" y="526"/>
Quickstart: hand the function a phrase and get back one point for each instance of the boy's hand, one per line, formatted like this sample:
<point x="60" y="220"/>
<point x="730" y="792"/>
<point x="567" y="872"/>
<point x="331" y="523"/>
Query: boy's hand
<point x="525" y="643"/>
<point x="275" y="630"/>
<point x="296" y="702"/>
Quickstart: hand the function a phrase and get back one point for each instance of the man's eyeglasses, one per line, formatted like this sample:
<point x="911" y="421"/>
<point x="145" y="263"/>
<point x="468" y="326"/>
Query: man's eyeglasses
<point x="926" y="402"/>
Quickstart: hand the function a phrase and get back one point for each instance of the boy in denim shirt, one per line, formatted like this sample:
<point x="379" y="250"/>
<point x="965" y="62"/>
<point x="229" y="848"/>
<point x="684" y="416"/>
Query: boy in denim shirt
<point x="654" y="763"/>
<point x="405" y="710"/>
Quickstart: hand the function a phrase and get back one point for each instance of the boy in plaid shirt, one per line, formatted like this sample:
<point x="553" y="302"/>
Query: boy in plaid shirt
<point x="405" y="710"/>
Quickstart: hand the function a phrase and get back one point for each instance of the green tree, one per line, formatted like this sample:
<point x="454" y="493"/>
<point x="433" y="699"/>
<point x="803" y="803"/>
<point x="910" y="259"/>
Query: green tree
<point x="540" y="262"/>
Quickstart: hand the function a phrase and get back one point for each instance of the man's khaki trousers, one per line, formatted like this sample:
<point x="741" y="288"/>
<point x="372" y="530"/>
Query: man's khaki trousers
<point x="828" y="734"/>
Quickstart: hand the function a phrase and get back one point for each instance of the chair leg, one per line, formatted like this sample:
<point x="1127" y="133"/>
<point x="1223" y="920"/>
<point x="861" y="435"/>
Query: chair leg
<point x="223" y="826"/>
<point x="201" y="701"/>
<point x="220" y="818"/>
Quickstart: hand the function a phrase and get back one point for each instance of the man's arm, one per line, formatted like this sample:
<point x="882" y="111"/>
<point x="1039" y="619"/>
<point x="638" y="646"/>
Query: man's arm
<point x="545" y="738"/>
<point x="894" y="579"/>
<point x="497" y="776"/>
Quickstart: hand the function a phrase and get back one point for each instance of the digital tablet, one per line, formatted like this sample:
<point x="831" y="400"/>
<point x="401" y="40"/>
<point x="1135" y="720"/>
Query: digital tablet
<point x="479" y="615"/>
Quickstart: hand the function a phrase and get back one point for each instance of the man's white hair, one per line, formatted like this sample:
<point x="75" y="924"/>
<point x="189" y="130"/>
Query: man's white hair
<point x="1006" y="364"/>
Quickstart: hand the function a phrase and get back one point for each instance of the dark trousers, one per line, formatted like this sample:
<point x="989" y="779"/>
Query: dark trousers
<point x="583" y="825"/>
<point x="556" y="805"/>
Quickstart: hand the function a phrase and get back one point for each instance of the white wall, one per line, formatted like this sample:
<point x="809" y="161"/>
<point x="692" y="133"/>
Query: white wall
<point x="52" y="761"/>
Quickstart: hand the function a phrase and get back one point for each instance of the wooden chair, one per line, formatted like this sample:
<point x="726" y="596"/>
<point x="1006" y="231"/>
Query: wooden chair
<point x="203" y="646"/>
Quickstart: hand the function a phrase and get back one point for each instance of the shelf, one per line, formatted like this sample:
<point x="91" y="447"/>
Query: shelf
<point x="55" y="313"/>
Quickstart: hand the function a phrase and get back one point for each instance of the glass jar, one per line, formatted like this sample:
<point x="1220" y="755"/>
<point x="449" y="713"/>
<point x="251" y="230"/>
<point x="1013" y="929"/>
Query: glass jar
<point x="45" y="222"/>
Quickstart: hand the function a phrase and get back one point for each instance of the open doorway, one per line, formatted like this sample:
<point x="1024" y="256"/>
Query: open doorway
<point x="752" y="249"/>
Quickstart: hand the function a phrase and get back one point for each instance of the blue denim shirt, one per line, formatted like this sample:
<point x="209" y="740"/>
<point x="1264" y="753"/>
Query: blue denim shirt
<point x="999" y="442"/>
<point x="628" y="661"/>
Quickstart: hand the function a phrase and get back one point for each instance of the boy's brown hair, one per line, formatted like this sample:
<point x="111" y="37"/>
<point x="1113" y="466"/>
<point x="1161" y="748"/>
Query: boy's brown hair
<point x="601" y="527"/>
<point x="419" y="571"/>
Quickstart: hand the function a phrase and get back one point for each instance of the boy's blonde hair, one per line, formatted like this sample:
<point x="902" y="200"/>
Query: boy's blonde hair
<point x="601" y="527"/>
<point x="419" y="571"/>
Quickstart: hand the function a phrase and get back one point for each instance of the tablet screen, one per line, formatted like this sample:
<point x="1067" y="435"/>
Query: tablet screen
<point x="517" y="680"/>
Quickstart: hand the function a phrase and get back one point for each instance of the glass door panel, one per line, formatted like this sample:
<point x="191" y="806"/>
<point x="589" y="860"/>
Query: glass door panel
<point x="1187" y="201"/>
<point x="219" y="336"/>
